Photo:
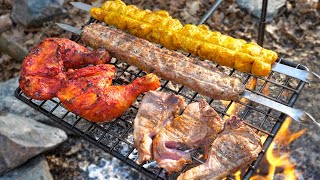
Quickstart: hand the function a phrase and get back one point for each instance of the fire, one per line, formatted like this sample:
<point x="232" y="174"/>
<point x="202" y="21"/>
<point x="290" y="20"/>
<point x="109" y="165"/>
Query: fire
<point x="275" y="159"/>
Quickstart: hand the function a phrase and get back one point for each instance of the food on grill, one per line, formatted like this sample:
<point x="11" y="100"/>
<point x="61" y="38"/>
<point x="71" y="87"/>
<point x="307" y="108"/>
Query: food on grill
<point x="198" y="126"/>
<point x="155" y="26"/>
<point x="155" y="111"/>
<point x="235" y="147"/>
<point x="161" y="28"/>
<point x="43" y="70"/>
<point x="88" y="92"/>
<point x="168" y="65"/>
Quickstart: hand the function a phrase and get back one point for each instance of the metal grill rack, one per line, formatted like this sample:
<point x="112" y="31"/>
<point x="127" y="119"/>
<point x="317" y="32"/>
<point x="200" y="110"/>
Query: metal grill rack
<point x="116" y="137"/>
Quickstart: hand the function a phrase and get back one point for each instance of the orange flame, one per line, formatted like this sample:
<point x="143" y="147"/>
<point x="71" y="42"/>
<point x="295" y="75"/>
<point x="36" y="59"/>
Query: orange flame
<point x="275" y="158"/>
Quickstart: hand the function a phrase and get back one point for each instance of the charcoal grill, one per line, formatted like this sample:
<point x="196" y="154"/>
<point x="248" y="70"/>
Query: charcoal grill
<point x="116" y="137"/>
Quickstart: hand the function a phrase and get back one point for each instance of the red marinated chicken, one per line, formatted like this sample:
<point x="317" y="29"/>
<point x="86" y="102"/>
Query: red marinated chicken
<point x="235" y="147"/>
<point x="88" y="92"/>
<point x="156" y="110"/>
<point x="43" y="70"/>
<point x="198" y="126"/>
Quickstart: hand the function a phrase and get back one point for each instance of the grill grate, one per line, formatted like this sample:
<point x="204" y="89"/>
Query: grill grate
<point x="116" y="137"/>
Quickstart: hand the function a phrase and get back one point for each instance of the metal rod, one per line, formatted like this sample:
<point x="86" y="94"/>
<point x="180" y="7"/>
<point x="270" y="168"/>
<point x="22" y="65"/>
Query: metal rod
<point x="262" y="24"/>
<point x="209" y="13"/>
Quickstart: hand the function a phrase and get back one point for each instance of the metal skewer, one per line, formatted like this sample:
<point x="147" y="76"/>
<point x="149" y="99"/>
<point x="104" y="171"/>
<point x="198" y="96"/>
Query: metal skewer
<point x="295" y="114"/>
<point x="303" y="75"/>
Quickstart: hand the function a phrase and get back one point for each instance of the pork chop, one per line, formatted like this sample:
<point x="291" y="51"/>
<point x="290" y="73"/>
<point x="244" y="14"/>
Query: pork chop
<point x="235" y="147"/>
<point x="155" y="111"/>
<point x="198" y="126"/>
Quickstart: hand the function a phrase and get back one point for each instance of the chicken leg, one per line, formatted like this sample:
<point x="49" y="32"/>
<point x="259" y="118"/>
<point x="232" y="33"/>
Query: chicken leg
<point x="88" y="93"/>
<point x="43" y="70"/>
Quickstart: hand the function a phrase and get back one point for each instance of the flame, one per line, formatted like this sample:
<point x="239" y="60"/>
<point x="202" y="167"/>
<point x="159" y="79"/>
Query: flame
<point x="276" y="159"/>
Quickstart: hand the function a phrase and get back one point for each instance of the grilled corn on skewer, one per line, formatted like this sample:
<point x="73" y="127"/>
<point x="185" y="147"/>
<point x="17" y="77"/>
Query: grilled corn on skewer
<point x="160" y="27"/>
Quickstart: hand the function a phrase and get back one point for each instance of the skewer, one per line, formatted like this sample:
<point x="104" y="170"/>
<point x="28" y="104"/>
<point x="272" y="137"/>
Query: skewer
<point x="296" y="114"/>
<point x="303" y="75"/>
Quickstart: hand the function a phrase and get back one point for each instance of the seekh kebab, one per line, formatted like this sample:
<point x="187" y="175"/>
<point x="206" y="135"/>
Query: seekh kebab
<point x="159" y="27"/>
<point x="166" y="64"/>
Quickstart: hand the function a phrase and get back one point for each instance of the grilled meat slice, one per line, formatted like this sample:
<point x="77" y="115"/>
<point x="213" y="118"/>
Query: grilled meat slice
<point x="236" y="146"/>
<point x="198" y="126"/>
<point x="88" y="92"/>
<point x="43" y="70"/>
<point x="166" y="64"/>
<point x="155" y="111"/>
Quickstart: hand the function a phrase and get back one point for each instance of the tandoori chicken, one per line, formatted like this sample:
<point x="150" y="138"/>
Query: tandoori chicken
<point x="88" y="92"/>
<point x="43" y="70"/>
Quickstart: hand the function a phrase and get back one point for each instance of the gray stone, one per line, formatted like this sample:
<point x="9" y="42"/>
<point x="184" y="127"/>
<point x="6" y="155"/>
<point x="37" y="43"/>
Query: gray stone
<point x="254" y="7"/>
<point x="32" y="13"/>
<point x="35" y="169"/>
<point x="23" y="138"/>
<point x="10" y="104"/>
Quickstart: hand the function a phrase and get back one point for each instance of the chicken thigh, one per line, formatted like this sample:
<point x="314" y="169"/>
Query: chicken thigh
<point x="88" y="92"/>
<point x="43" y="70"/>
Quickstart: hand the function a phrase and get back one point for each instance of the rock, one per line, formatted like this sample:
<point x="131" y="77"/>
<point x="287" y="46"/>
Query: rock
<point x="23" y="138"/>
<point x="35" y="168"/>
<point x="5" y="22"/>
<point x="12" y="48"/>
<point x="33" y="13"/>
<point x="254" y="7"/>
<point x="10" y="104"/>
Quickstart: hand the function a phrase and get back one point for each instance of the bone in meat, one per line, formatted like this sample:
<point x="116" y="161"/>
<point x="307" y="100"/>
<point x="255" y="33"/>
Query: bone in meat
<point x="235" y="147"/>
<point x="155" y="111"/>
<point x="198" y="126"/>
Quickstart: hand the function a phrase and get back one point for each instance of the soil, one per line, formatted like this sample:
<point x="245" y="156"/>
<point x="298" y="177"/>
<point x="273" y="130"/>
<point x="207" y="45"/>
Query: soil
<point x="294" y="34"/>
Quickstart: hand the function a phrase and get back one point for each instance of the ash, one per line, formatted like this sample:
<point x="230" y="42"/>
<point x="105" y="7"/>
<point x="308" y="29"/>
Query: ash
<point x="108" y="169"/>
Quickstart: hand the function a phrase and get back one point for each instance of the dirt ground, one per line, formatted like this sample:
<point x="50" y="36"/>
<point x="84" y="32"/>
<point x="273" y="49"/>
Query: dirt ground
<point x="294" y="34"/>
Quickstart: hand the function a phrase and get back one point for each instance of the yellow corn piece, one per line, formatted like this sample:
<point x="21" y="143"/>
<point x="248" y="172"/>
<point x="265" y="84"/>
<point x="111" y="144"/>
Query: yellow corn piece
<point x="160" y="27"/>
